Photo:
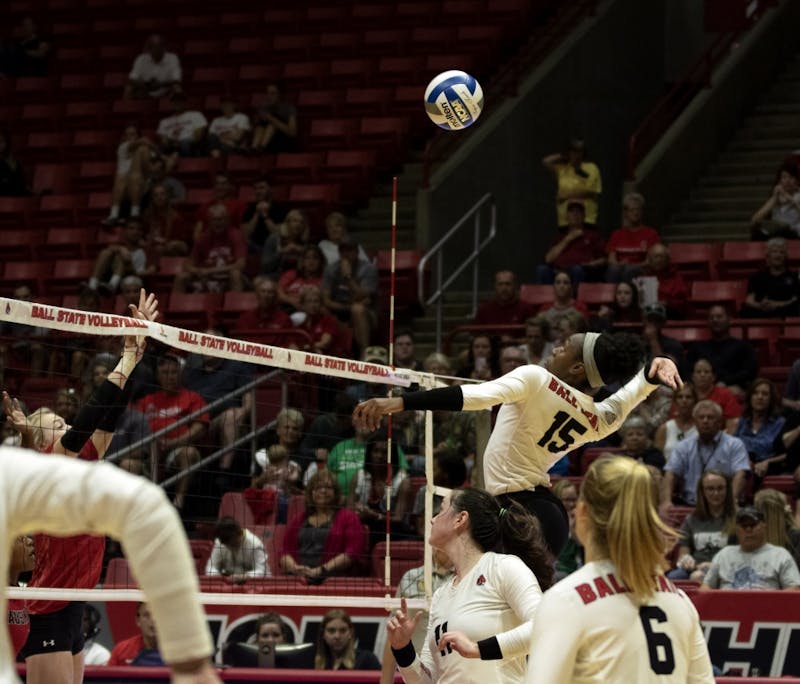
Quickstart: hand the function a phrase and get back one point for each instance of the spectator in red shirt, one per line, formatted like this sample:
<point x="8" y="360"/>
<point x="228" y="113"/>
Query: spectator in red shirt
<point x="704" y="380"/>
<point x="505" y="308"/>
<point x="577" y="249"/>
<point x="321" y="326"/>
<point x="218" y="258"/>
<point x="672" y="289"/>
<point x="627" y="247"/>
<point x="164" y="227"/>
<point x="308" y="272"/>
<point x="164" y="408"/>
<point x="142" y="648"/>
<point x="224" y="193"/>
<point x="267" y="315"/>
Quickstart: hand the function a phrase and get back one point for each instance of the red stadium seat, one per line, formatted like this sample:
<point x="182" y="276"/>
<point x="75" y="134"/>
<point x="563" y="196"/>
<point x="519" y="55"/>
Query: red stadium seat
<point x="595" y="294"/>
<point x="86" y="114"/>
<point x="272" y="537"/>
<point x="305" y="74"/>
<point x="258" y="73"/>
<point x="384" y="41"/>
<point x="20" y="245"/>
<point x="349" y="72"/>
<point x="31" y="273"/>
<point x="245" y="47"/>
<point x="325" y="133"/>
<point x="336" y="44"/>
<point x="789" y="346"/>
<point x="45" y="117"/>
<point x="93" y="145"/>
<point x="367" y="101"/>
<point x="233" y="304"/>
<point x="765" y="340"/>
<point x="66" y="243"/>
<point x="319" y="102"/>
<point x="399" y="69"/>
<point x="536" y="294"/>
<point x="297" y="505"/>
<point x="194" y="311"/>
<point x="201" y="552"/>
<point x="783" y="483"/>
<point x="297" y="167"/>
<point x="46" y="146"/>
<point x="119" y="575"/>
<point x="405" y="555"/>
<point x="67" y="275"/>
<point x="687" y="335"/>
<point x="59" y="210"/>
<point x="293" y="46"/>
<point x="233" y="505"/>
<point x="741" y="259"/>
<point x="53" y="179"/>
<point x="313" y="194"/>
<point x="729" y="293"/>
<point x="94" y="176"/>
<point x="16" y="212"/>
<point x="695" y="260"/>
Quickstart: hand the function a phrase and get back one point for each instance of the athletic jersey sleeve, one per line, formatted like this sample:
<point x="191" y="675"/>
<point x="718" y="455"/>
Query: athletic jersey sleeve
<point x="515" y="386"/>
<point x="554" y="644"/>
<point x="66" y="497"/>
<point x="522" y="592"/>
<point x="613" y="410"/>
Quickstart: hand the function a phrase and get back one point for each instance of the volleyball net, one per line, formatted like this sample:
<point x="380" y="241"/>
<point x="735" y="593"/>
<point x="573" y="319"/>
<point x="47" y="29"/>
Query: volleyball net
<point x="275" y="419"/>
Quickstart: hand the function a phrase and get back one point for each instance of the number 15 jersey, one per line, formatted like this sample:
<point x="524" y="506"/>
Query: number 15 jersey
<point x="541" y="419"/>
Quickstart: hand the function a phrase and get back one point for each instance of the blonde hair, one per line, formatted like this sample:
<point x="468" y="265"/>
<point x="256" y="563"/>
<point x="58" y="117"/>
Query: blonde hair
<point x="291" y="416"/>
<point x="620" y="498"/>
<point x="277" y="453"/>
<point x="37" y="432"/>
<point x="349" y="655"/>
<point x="777" y="516"/>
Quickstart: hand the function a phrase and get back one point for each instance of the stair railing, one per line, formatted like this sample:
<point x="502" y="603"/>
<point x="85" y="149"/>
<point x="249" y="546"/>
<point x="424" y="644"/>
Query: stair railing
<point x="433" y="262"/>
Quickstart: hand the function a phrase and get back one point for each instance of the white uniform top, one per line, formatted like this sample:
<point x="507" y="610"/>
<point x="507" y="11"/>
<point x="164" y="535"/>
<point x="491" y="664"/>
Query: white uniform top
<point x="65" y="496"/>
<point x="541" y="419"/>
<point x="587" y="631"/>
<point x="498" y="597"/>
<point x="249" y="559"/>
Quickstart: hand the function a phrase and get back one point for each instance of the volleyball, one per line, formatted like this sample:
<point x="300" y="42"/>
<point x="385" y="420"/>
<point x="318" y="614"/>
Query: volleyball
<point x="453" y="100"/>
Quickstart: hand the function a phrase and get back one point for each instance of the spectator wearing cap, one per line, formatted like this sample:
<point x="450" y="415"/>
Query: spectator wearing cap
<point x="773" y="291"/>
<point x="505" y="307"/>
<point x="577" y="248"/>
<point x="656" y="342"/>
<point x="183" y="132"/>
<point x="627" y="247"/>
<point x="577" y="179"/>
<point x="711" y="448"/>
<point x="349" y="292"/>
<point x="753" y="563"/>
<point x="155" y="72"/>
<point x="671" y="289"/>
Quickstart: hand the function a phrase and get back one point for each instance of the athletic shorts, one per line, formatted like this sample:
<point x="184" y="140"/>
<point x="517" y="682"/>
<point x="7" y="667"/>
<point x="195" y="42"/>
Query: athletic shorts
<point x="55" y="632"/>
<point x="548" y="509"/>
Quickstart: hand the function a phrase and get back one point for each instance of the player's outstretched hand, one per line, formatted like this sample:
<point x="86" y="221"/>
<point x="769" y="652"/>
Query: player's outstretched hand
<point x="666" y="371"/>
<point x="401" y="626"/>
<point x="190" y="674"/>
<point x="14" y="413"/>
<point x="460" y="643"/>
<point x="368" y="414"/>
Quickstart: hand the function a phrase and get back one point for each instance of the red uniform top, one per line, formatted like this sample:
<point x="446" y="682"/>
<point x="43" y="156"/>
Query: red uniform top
<point x="631" y="244"/>
<point x="18" y="624"/>
<point x="125" y="651"/>
<point x="255" y="319"/>
<point x="67" y="562"/>
<point x="163" y="409"/>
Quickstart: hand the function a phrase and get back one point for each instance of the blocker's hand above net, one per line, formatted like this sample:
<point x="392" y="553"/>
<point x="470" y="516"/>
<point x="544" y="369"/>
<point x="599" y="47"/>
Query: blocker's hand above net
<point x="368" y="414"/>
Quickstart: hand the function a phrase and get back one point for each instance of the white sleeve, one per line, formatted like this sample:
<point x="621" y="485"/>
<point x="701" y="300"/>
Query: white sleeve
<point x="65" y="496"/>
<point x="162" y="127"/>
<point x="521" y="590"/>
<point x="515" y="386"/>
<point x="554" y="646"/>
<point x="214" y="564"/>
<point x="613" y="410"/>
<point x="175" y="68"/>
<point x="216" y="124"/>
<point x="136" y="69"/>
<point x="700" y="670"/>
<point x="425" y="668"/>
<point x="259" y="561"/>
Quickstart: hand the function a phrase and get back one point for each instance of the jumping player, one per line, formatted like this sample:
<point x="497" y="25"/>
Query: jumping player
<point x="65" y="496"/>
<point x="618" y="619"/>
<point x="481" y="619"/>
<point x="544" y="416"/>
<point x="53" y="651"/>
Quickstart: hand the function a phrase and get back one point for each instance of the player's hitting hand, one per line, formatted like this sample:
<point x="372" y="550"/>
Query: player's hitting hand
<point x="666" y="371"/>
<point x="14" y="413"/>
<point x="401" y="626"/>
<point x="368" y="414"/>
<point x="460" y="643"/>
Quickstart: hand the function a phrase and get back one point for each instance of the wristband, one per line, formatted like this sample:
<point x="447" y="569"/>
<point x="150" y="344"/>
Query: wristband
<point x="490" y="649"/>
<point x="404" y="656"/>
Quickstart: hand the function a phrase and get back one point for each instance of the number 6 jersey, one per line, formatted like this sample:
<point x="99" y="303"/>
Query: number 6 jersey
<point x="589" y="631"/>
<point x="541" y="419"/>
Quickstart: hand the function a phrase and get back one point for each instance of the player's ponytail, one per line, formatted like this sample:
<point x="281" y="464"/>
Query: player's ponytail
<point x="620" y="498"/>
<point x="510" y="530"/>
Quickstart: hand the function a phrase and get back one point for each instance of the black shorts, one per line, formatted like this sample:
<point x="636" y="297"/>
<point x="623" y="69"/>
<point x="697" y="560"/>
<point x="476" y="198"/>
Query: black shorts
<point x="547" y="507"/>
<point x="55" y="632"/>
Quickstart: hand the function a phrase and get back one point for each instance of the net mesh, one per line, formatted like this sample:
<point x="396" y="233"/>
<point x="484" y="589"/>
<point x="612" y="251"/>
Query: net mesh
<point x="243" y="430"/>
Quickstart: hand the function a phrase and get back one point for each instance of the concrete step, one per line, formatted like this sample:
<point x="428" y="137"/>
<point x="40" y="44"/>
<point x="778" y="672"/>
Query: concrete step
<point x="782" y="145"/>
<point x="702" y="205"/>
<point x="696" y="231"/>
<point x="744" y="192"/>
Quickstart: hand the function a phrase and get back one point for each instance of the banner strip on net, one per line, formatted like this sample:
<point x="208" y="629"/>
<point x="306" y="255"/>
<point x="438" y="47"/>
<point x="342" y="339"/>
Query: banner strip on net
<point x="91" y="323"/>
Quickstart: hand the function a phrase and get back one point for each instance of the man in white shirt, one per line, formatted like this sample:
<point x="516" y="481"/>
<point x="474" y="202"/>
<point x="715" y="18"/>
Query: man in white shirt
<point x="227" y="134"/>
<point x="237" y="553"/>
<point x="182" y="133"/>
<point x="155" y="72"/>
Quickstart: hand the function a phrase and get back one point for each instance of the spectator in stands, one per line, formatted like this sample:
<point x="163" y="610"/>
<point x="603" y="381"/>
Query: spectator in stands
<point x="779" y="216"/>
<point x="563" y="301"/>
<point x="71" y="352"/>
<point x="228" y="132"/>
<point x="215" y="378"/>
<point x="454" y="432"/>
<point x="336" y="232"/>
<point x="158" y="174"/>
<point x="753" y="563"/>
<point x="537" y="347"/>
<point x="404" y="352"/>
<point x="438" y="364"/>
<point x="708" y="528"/>
<point x="12" y="175"/>
<point x="712" y="448"/>
<point x="656" y="409"/>
<point x="656" y="342"/>
<point x="670" y="288"/>
<point x="569" y="324"/>
<point x="271" y="630"/>
<point x="791" y="395"/>
<point x="261" y="217"/>
<point x="505" y="308"/>
<point x="572" y="555"/>
<point x="349" y="291"/>
<point x="279" y="473"/>
<point x="167" y="406"/>
<point x="577" y="248"/>
<point x="308" y="272"/>
<point x="624" y="309"/>
<point x="183" y="133"/>
<point x="704" y="379"/>
<point x="94" y="653"/>
<point x="511" y="357"/>
<point x="450" y="471"/>
<point x="274" y="124"/>
<point x="773" y="292"/>
<point x="734" y="360"/>
<point x="238" y="554"/>
<point x="636" y="442"/>
<point x="155" y="72"/>
<point x="66" y="404"/>
<point x="326" y="539"/>
<point x="141" y="649"/>
<point x="23" y="344"/>
<point x="218" y="257"/>
<point x="322" y="328"/>
<point x="29" y="52"/>
<point x="267" y="315"/>
<point x="327" y="429"/>
<point x="782" y="531"/>
<point x="681" y="426"/>
<point x="127" y="257"/>
<point x="481" y="359"/>
<point x="284" y="248"/>
<point x="164" y="228"/>
<point x="577" y="179"/>
<point x="627" y="247"/>
<point x="760" y="425"/>
<point x="336" y="645"/>
<point x="224" y="192"/>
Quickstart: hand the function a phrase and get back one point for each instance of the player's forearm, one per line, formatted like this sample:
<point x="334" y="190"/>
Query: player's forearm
<point x="439" y="399"/>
